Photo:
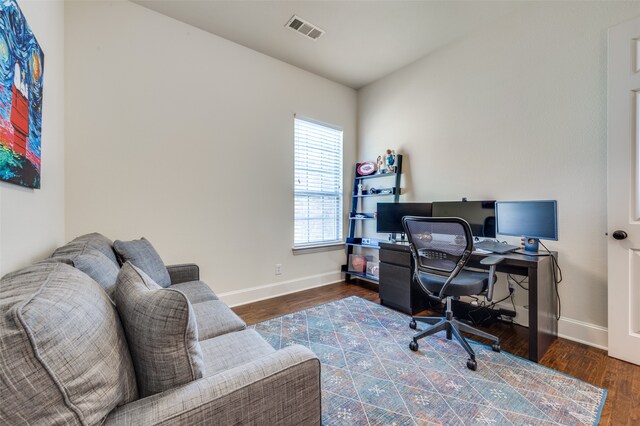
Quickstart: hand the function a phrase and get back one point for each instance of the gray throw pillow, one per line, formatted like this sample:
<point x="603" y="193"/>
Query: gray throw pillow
<point x="100" y="268"/>
<point x="142" y="255"/>
<point x="161" y="329"/>
<point x="85" y="243"/>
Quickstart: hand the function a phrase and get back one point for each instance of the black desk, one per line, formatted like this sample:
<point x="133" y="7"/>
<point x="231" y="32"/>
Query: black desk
<point x="398" y="289"/>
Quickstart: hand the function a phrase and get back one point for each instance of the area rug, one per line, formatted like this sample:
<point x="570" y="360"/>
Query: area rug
<point x="371" y="377"/>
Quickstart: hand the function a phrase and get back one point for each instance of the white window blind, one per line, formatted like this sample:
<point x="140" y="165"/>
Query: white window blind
<point x="318" y="183"/>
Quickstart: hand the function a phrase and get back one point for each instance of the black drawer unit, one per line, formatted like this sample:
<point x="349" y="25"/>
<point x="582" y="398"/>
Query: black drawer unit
<point x="395" y="257"/>
<point x="398" y="289"/>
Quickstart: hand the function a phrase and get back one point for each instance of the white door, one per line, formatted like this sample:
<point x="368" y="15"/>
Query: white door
<point x="623" y="181"/>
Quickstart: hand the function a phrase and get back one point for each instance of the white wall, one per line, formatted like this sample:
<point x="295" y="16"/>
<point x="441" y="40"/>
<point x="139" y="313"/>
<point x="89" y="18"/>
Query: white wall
<point x="516" y="111"/>
<point x="32" y="221"/>
<point x="186" y="138"/>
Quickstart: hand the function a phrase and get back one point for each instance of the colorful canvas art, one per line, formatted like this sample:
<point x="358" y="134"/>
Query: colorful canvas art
<point x="21" y="73"/>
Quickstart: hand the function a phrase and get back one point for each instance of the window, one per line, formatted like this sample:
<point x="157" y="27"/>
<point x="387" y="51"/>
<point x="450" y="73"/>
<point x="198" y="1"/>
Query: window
<point x="318" y="183"/>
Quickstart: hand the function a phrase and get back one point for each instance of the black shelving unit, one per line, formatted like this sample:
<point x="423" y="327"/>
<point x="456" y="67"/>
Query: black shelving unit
<point x="357" y="218"/>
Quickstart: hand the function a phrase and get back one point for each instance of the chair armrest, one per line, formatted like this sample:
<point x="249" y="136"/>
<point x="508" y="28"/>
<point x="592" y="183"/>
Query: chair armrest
<point x="491" y="261"/>
<point x="183" y="273"/>
<point x="282" y="388"/>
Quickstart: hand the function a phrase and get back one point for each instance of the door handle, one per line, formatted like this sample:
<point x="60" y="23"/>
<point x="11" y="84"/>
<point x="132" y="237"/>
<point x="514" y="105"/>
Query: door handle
<point x="619" y="235"/>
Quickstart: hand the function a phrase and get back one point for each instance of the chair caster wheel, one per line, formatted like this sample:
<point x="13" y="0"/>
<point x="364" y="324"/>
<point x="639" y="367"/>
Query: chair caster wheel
<point x="413" y="346"/>
<point x="413" y="325"/>
<point x="472" y="364"/>
<point x="496" y="347"/>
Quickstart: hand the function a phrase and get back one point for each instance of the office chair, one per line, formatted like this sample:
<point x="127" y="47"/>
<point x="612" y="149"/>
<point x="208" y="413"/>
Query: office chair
<point x="441" y="247"/>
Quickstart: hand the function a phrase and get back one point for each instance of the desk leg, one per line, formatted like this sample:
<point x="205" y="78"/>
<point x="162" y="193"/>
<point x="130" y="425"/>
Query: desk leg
<point x="543" y="326"/>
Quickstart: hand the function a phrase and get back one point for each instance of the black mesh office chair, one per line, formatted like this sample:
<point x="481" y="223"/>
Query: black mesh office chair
<point x="441" y="247"/>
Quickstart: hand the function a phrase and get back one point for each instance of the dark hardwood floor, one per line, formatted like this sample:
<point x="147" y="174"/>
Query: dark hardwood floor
<point x="619" y="378"/>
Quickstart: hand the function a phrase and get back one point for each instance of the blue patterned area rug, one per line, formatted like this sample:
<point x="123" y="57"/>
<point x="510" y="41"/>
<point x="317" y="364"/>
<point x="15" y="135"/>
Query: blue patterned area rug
<point x="371" y="377"/>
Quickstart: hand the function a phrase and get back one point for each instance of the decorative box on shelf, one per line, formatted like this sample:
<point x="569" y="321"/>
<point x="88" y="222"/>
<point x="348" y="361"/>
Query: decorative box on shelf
<point x="358" y="263"/>
<point x="373" y="269"/>
<point x="370" y="242"/>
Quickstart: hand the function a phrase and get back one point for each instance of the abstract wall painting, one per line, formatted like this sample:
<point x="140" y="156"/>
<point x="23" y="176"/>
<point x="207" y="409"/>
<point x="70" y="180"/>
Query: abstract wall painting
<point x="21" y="73"/>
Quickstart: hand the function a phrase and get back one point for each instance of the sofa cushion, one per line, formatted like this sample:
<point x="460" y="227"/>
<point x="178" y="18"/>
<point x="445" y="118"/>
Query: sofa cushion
<point x="142" y="255"/>
<point x="215" y="318"/>
<point x="196" y="291"/>
<point x="230" y="350"/>
<point x="64" y="353"/>
<point x="161" y="330"/>
<point x="85" y="243"/>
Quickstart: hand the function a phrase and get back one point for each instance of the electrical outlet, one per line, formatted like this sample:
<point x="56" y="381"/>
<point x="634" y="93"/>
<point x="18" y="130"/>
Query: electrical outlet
<point x="278" y="269"/>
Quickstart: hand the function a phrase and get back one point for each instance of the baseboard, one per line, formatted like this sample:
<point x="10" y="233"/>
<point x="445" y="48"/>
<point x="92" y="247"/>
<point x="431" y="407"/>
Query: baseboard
<point x="568" y="328"/>
<point x="267" y="291"/>
<point x="583" y="332"/>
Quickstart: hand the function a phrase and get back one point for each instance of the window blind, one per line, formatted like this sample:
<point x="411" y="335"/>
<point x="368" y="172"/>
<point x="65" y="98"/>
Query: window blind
<point x="318" y="183"/>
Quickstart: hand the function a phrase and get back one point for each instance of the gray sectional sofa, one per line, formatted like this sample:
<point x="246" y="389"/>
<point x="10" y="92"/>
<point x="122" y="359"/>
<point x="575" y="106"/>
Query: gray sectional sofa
<point x="65" y="357"/>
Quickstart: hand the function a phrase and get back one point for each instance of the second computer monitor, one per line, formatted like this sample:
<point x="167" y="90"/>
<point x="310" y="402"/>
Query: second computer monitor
<point x="533" y="220"/>
<point x="390" y="215"/>
<point x="480" y="215"/>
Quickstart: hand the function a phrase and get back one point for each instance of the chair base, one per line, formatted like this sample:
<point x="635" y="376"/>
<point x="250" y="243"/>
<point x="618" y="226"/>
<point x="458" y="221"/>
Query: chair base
<point x="452" y="327"/>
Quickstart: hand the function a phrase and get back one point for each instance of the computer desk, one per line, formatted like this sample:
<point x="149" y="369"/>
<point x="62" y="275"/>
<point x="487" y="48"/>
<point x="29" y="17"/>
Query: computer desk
<point x="543" y="325"/>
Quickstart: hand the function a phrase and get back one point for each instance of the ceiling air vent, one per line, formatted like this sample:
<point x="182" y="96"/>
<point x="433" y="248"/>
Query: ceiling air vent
<point x="305" y="28"/>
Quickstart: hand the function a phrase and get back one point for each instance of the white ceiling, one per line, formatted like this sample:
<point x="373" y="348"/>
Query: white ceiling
<point x="364" y="40"/>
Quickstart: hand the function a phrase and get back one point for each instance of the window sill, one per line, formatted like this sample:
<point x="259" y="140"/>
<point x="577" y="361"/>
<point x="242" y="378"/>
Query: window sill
<point x="317" y="248"/>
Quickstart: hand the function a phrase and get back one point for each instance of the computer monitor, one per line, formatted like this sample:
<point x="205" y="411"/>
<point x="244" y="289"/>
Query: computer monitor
<point x="390" y="215"/>
<point x="480" y="215"/>
<point x="533" y="220"/>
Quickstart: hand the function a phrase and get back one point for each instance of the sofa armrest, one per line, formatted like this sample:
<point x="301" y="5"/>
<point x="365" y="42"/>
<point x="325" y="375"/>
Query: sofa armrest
<point x="282" y="388"/>
<point x="183" y="273"/>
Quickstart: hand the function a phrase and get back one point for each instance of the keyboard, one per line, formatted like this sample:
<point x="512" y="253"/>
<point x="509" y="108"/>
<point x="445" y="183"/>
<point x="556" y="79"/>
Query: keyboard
<point x="494" y="246"/>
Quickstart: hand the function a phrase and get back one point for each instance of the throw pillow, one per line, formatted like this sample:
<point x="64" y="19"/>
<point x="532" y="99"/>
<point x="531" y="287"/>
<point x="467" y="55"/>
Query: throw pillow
<point x="161" y="329"/>
<point x="142" y="255"/>
<point x="100" y="268"/>
<point x="85" y="243"/>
